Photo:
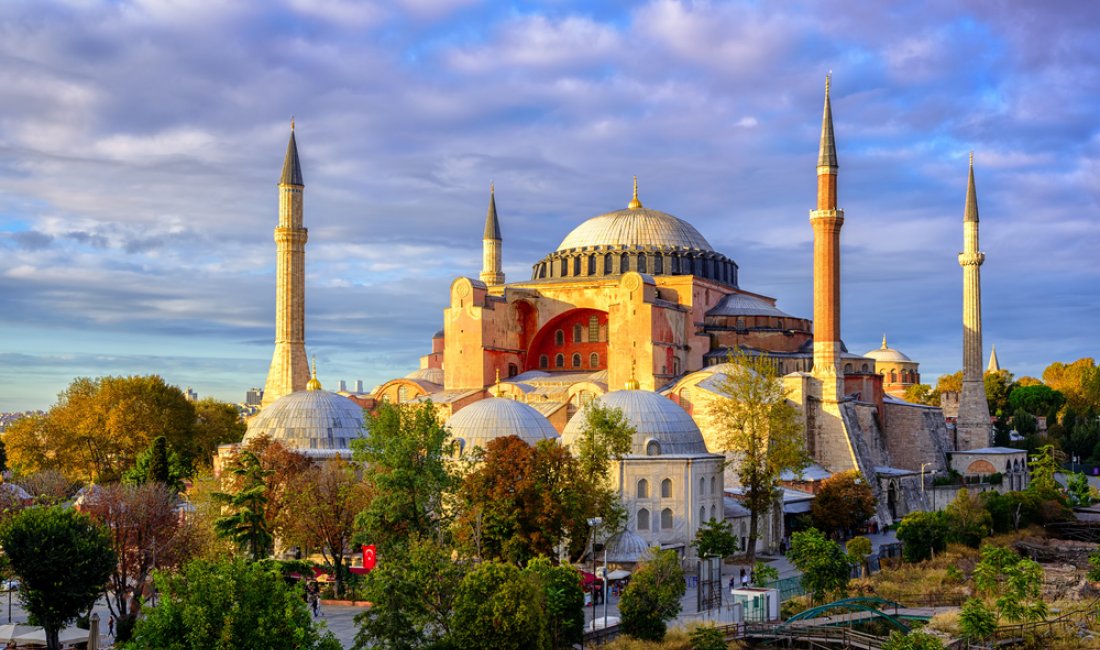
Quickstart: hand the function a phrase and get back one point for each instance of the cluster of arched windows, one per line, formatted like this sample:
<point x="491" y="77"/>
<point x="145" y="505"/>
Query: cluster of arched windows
<point x="707" y="264"/>
<point x="665" y="522"/>
<point x="642" y="492"/>
<point x="574" y="361"/>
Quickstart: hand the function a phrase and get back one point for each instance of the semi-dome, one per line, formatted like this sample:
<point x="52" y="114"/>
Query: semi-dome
<point x="638" y="228"/>
<point x="627" y="548"/>
<point x="661" y="426"/>
<point x="740" y="304"/>
<point x="887" y="354"/>
<point x="433" y="375"/>
<point x="315" y="423"/>
<point x="496" y="417"/>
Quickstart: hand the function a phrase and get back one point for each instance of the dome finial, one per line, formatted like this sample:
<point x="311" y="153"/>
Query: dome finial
<point x="632" y="383"/>
<point x="634" y="204"/>
<point x="884" y="340"/>
<point x="292" y="123"/>
<point x="496" y="387"/>
<point x="313" y="383"/>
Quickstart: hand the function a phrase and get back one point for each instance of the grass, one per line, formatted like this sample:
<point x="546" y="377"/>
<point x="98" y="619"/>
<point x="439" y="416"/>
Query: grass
<point x="676" y="639"/>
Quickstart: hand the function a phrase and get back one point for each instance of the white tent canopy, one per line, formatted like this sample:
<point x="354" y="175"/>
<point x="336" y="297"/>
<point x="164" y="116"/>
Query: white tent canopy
<point x="37" y="636"/>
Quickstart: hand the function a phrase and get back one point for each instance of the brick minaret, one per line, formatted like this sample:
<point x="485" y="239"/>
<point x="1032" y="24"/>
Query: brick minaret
<point x="973" y="428"/>
<point x="289" y="370"/>
<point x="826" y="221"/>
<point x="491" y="273"/>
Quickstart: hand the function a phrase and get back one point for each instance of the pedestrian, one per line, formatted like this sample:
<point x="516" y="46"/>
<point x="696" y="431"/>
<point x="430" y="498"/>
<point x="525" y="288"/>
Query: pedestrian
<point x="744" y="579"/>
<point x="314" y="604"/>
<point x="733" y="584"/>
<point x="110" y="627"/>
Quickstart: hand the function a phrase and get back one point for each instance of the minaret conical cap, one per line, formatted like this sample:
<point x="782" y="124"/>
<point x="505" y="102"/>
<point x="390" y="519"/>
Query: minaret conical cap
<point x="994" y="363"/>
<point x="971" y="213"/>
<point x="827" y="154"/>
<point x="492" y="225"/>
<point x="292" y="169"/>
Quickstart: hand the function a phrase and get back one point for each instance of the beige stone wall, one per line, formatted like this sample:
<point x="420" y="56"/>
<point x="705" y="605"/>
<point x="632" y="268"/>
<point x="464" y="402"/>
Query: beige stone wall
<point x="914" y="435"/>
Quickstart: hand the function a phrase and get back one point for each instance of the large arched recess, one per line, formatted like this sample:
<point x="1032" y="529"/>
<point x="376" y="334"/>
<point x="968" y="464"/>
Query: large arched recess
<point x="545" y="343"/>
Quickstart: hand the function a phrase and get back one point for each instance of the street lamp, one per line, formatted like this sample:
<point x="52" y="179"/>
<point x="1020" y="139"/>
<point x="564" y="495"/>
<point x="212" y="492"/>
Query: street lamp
<point x="592" y="523"/>
<point x="922" y="466"/>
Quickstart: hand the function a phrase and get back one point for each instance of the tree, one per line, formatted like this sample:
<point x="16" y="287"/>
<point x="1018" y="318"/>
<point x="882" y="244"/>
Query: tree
<point x="1015" y="582"/>
<point x="1079" y="382"/>
<point x="62" y="558"/>
<point x="412" y="590"/>
<point x="716" y="538"/>
<point x="564" y="601"/>
<point x="216" y="423"/>
<point x="247" y="524"/>
<point x="498" y="606"/>
<point x="520" y="501"/>
<point x="228" y="605"/>
<point x="322" y="505"/>
<point x="764" y="574"/>
<point x="1078" y="490"/>
<point x="1037" y="400"/>
<point x="158" y="464"/>
<point x="915" y="640"/>
<point x="653" y="596"/>
<point x="923" y="534"/>
<point x="146" y="533"/>
<point x="99" y="426"/>
<point x="761" y="428"/>
<point x="948" y="384"/>
<point x="970" y="520"/>
<point x="1024" y="422"/>
<point x="1044" y="465"/>
<point x="405" y="455"/>
<point x="998" y="389"/>
<point x="605" y="437"/>
<point x="843" y="503"/>
<point x="976" y="620"/>
<point x="859" y="549"/>
<point x="48" y="487"/>
<point x="825" y="567"/>
<point x="921" y="394"/>
<point x="707" y="637"/>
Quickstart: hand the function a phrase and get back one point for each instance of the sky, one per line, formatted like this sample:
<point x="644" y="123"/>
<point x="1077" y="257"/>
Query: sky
<point x="141" y="142"/>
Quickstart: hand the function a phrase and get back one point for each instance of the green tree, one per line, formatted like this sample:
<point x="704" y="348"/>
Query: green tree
<point x="923" y="534"/>
<point x="499" y="606"/>
<point x="564" y="601"/>
<point x="1024" y="423"/>
<point x="998" y="389"/>
<point x="653" y="596"/>
<point x="1037" y="400"/>
<point x="247" y="524"/>
<point x="62" y="558"/>
<point x="921" y="394"/>
<point x="970" y="520"/>
<point x="764" y="574"/>
<point x="408" y="474"/>
<point x="1015" y="582"/>
<point x="825" y="567"/>
<point x="216" y="423"/>
<point x="605" y="437"/>
<point x="412" y="590"/>
<point x="1077" y="487"/>
<point x="228" y="605"/>
<point x="158" y="464"/>
<point x="977" y="620"/>
<point x="707" y="637"/>
<point x="716" y="538"/>
<point x="1044" y="465"/>
<point x="859" y="549"/>
<point x="843" y="503"/>
<point x="761" y="428"/>
<point x="915" y="640"/>
<point x="1094" y="566"/>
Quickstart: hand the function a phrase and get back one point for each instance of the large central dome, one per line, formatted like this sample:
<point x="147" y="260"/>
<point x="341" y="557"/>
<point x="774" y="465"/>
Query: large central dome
<point x="638" y="228"/>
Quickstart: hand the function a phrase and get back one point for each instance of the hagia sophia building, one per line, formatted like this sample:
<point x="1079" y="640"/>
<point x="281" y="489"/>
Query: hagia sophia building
<point x="634" y="308"/>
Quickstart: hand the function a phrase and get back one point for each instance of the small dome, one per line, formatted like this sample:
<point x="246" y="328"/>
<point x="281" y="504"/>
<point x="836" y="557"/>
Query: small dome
<point x="637" y="228"/>
<point x="433" y="375"/>
<point x="739" y="304"/>
<point x="316" y="423"/>
<point x="662" y="426"/>
<point x="627" y="548"/>
<point x="888" y="354"/>
<point x="438" y="335"/>
<point x="496" y="417"/>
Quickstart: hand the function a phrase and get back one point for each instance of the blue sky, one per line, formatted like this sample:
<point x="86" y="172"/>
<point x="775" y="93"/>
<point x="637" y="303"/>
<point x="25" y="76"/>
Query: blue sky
<point x="141" y="141"/>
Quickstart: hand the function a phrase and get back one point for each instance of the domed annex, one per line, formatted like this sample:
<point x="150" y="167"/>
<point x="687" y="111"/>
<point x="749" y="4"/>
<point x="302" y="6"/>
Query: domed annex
<point x="312" y="422"/>
<point x="662" y="427"/>
<point x="636" y="239"/>
<point x="898" y="371"/>
<point x="497" y="417"/>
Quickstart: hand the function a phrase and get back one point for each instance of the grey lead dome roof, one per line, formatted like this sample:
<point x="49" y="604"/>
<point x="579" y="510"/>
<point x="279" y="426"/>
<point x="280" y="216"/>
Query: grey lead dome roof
<point x="316" y="423"/>
<point x="635" y="228"/>
<point x="739" y="304"/>
<point x="654" y="417"/>
<point x="496" y="417"/>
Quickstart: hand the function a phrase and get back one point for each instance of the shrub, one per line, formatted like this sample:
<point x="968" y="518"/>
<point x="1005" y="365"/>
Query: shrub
<point x="707" y="637"/>
<point x="976" y="620"/>
<point x="912" y="641"/>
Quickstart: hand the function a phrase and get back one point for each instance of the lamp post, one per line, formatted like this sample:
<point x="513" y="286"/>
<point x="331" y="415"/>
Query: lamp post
<point x="606" y="592"/>
<point x="922" y="466"/>
<point x="592" y="523"/>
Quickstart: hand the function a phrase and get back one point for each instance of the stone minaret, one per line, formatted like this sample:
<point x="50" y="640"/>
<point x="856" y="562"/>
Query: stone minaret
<point x="289" y="366"/>
<point x="491" y="273"/>
<point x="973" y="428"/>
<point x="826" y="221"/>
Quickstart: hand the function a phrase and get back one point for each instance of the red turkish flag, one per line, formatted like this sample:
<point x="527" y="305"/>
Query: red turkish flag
<point x="369" y="557"/>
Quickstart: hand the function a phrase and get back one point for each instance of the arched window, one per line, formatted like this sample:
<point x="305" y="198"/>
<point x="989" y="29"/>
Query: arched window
<point x="658" y="264"/>
<point x="666" y="488"/>
<point x="702" y="486"/>
<point x="624" y="263"/>
<point x="643" y="519"/>
<point x="591" y="265"/>
<point x="652" y="448"/>
<point x="608" y="269"/>
<point x="702" y="514"/>
<point x="893" y="377"/>
<point x="402" y="394"/>
<point x="593" y="329"/>
<point x="865" y="367"/>
<point x="712" y="485"/>
<point x="559" y="337"/>
<point x="642" y="263"/>
<point x="674" y="263"/>
<point x="513" y="370"/>
<point x="666" y="518"/>
<point x="559" y="360"/>
<point x="564" y="267"/>
<point x="544" y="361"/>
<point x="593" y="360"/>
<point x="847" y="367"/>
<point x="576" y="360"/>
<point x="576" y="266"/>
<point x="643" y="489"/>
<point x="712" y="511"/>
<point x="578" y="333"/>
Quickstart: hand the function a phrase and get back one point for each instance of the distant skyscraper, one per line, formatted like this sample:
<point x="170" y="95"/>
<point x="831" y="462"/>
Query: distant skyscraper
<point x="973" y="427"/>
<point x="343" y="386"/>
<point x="289" y="370"/>
<point x="358" y="385"/>
<point x="254" y="397"/>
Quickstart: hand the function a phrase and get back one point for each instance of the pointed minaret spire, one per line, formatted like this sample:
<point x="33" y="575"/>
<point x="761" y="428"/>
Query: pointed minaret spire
<point x="973" y="429"/>
<point x="994" y="364"/>
<point x="491" y="243"/>
<point x="634" y="204"/>
<point x="289" y="371"/>
<point x="826" y="156"/>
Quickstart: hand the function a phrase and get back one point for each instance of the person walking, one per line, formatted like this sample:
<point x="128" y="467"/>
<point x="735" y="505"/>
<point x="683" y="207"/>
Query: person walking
<point x="111" y="626"/>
